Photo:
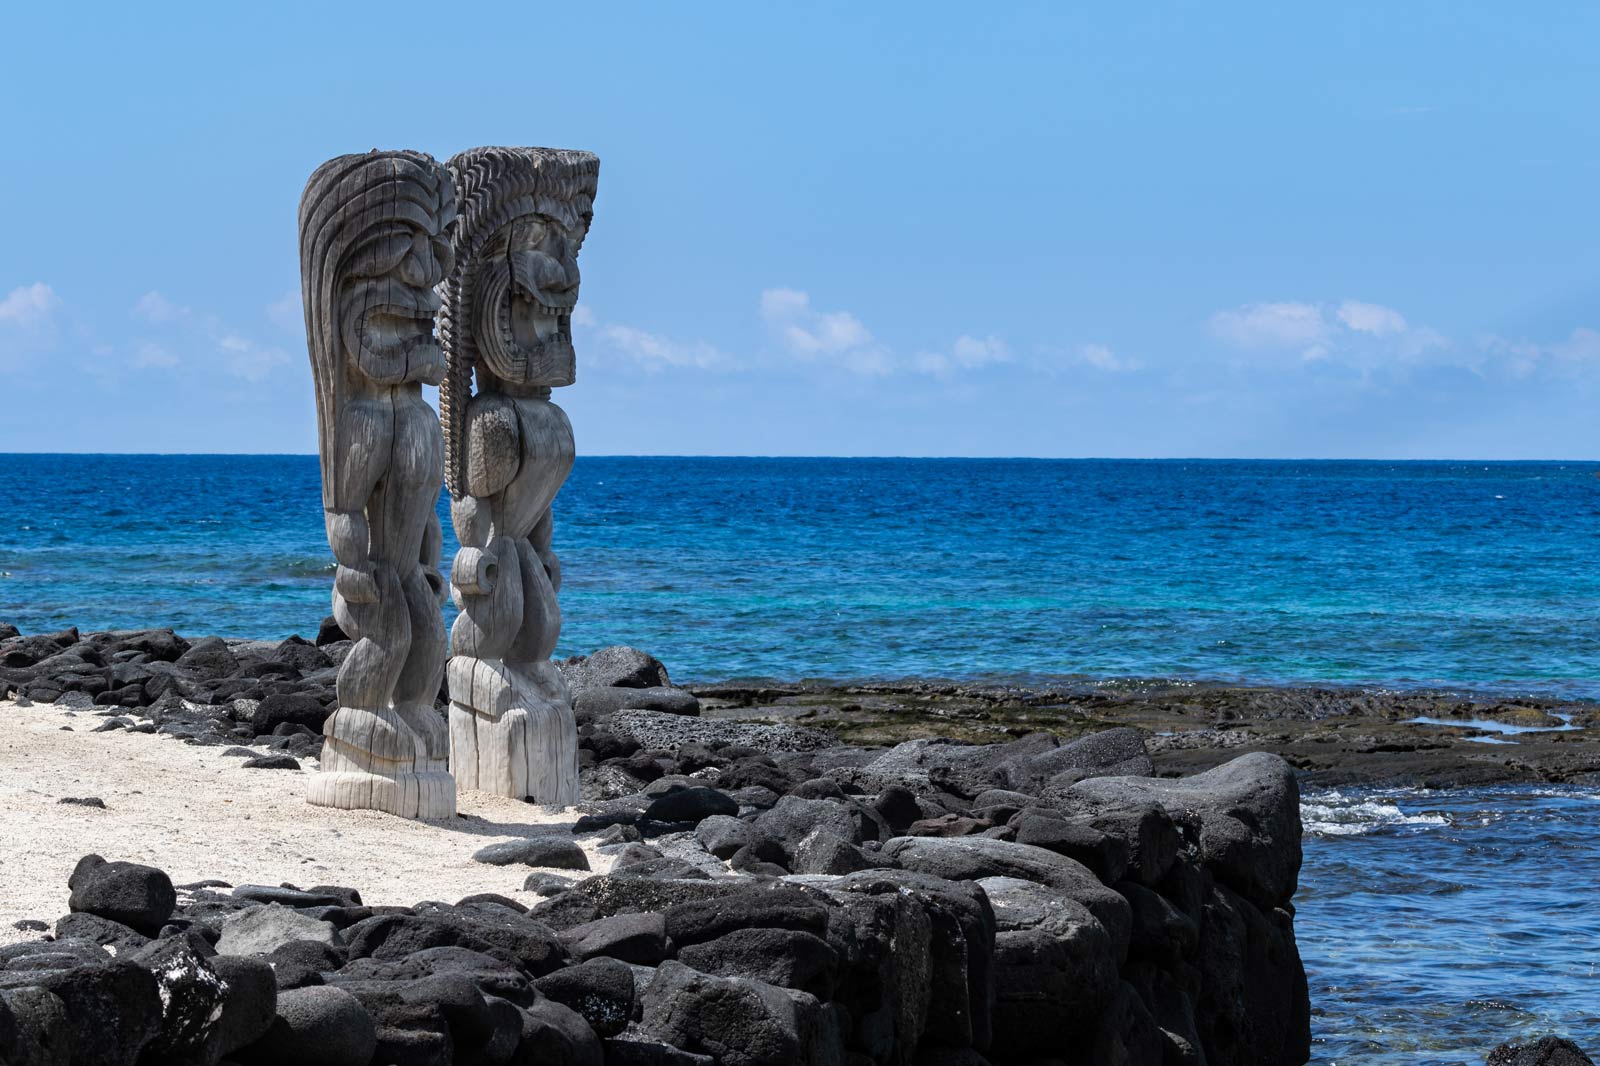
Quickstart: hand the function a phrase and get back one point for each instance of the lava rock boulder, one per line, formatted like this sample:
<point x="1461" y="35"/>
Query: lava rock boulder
<point x="139" y="897"/>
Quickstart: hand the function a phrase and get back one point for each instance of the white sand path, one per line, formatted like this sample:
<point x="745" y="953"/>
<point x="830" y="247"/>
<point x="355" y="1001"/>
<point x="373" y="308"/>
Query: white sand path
<point x="197" y="814"/>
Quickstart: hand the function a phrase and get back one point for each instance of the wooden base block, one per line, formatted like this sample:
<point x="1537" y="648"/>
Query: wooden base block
<point x="430" y="795"/>
<point x="529" y="750"/>
<point x="376" y="761"/>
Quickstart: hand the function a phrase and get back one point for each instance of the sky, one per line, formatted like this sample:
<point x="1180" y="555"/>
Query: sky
<point x="1241" y="230"/>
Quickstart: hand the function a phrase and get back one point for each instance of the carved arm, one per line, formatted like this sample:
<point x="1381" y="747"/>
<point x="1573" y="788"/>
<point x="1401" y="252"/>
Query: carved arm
<point x="494" y="452"/>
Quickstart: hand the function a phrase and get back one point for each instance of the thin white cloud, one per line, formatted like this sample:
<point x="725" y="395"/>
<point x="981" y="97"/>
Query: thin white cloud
<point x="1357" y="334"/>
<point x="1417" y="341"/>
<point x="153" y="356"/>
<point x="973" y="352"/>
<point x="1376" y="319"/>
<point x="809" y="334"/>
<point x="1582" y="346"/>
<point x="157" y="310"/>
<point x="1273" y="325"/>
<point x="1522" y="357"/>
<point x="654" y="350"/>
<point x="182" y="334"/>
<point x="29" y="305"/>
<point x="248" y="360"/>
<point x="286" y="313"/>
<point x="1103" y="358"/>
<point x="967" y="353"/>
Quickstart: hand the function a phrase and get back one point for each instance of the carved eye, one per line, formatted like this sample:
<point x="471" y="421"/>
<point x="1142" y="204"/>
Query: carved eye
<point x="381" y="252"/>
<point x="529" y="233"/>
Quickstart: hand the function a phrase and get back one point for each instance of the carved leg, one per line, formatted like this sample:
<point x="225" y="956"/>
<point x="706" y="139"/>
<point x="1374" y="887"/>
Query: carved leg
<point x="511" y="725"/>
<point x="370" y="756"/>
<point x="481" y="689"/>
<point x="552" y="732"/>
<point x="414" y="695"/>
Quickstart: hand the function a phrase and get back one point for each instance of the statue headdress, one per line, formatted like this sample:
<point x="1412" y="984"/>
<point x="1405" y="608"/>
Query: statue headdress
<point x="495" y="186"/>
<point x="342" y="211"/>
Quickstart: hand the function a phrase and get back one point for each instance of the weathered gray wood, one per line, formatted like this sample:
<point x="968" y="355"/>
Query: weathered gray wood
<point x="373" y="244"/>
<point x="507" y="318"/>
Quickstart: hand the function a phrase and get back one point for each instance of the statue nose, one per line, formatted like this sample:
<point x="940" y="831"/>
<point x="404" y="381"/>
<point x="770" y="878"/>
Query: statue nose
<point x="421" y="267"/>
<point x="565" y="277"/>
<point x="543" y="273"/>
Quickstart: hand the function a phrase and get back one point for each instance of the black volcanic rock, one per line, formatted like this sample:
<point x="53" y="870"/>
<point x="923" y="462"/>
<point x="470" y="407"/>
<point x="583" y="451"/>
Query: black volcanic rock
<point x="289" y="709"/>
<point x="192" y="996"/>
<point x="156" y="645"/>
<point x="1248" y="814"/>
<point x="549" y="850"/>
<point x="328" y="632"/>
<point x="618" y="666"/>
<point x="113" y="1006"/>
<point x="635" y="938"/>
<point x="318" y="1025"/>
<point x="209" y="657"/>
<point x="1549" y="1051"/>
<point x="271" y="762"/>
<point x="691" y="805"/>
<point x="301" y="654"/>
<point x="600" y="989"/>
<point x="604" y="701"/>
<point x="140" y="897"/>
<point x="722" y="835"/>
<point x="81" y="925"/>
<point x="738" y="1022"/>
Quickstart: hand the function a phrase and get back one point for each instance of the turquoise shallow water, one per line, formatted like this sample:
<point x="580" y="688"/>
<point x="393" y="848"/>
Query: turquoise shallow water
<point x="1432" y="926"/>
<point x="1463" y="575"/>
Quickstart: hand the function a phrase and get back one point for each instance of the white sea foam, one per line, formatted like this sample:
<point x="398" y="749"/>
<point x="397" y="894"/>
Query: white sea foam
<point x="1333" y="814"/>
<point x="1487" y="725"/>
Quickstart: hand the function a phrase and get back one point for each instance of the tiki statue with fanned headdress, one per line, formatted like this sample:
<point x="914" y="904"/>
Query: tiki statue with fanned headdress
<point x="507" y="320"/>
<point x="374" y="241"/>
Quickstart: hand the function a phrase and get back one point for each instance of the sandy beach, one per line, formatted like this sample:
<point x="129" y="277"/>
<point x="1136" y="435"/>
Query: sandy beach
<point x="195" y="813"/>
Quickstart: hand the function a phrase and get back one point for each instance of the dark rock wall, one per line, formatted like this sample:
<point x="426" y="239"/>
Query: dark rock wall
<point x="775" y="900"/>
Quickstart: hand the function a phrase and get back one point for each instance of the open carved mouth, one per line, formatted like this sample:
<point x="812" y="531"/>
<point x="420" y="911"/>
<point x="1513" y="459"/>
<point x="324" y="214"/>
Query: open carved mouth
<point x="534" y="325"/>
<point x="549" y="303"/>
<point x="391" y="328"/>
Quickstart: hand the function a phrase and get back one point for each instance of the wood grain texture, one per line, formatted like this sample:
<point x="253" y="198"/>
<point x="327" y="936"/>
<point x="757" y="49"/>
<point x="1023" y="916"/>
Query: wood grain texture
<point x="373" y="244"/>
<point x="507" y="322"/>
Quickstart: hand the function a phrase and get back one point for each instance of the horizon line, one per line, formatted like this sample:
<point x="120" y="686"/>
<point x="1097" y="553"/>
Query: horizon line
<point x="926" y="458"/>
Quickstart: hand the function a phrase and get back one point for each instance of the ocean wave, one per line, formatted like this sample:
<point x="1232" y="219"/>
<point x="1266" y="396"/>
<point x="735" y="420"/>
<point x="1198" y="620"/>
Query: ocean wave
<point x="302" y="567"/>
<point x="1333" y="814"/>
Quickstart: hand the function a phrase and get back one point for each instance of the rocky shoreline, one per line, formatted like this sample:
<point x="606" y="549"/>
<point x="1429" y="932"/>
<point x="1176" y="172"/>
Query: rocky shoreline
<point x="213" y="690"/>
<point x="774" y="897"/>
<point x="1331" y="736"/>
<point x="1177" y="945"/>
<point x="919" y="873"/>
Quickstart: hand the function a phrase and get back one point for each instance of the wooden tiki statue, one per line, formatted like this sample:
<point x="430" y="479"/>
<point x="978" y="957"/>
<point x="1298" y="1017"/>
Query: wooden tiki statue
<point x="507" y="320"/>
<point x="374" y="242"/>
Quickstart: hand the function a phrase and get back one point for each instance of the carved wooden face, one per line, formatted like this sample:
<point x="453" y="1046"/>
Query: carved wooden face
<point x="527" y="286"/>
<point x="387" y="302"/>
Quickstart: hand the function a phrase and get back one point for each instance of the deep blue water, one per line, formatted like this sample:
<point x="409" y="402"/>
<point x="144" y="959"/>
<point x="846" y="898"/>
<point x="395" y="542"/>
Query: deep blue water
<point x="1467" y="575"/>
<point x="1432" y="926"/>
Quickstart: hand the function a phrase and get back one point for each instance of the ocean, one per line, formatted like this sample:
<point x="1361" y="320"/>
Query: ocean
<point x="1433" y="925"/>
<point x="1471" y="576"/>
